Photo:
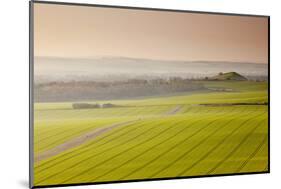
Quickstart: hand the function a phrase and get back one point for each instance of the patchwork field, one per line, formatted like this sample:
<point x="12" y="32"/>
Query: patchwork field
<point x="222" y="130"/>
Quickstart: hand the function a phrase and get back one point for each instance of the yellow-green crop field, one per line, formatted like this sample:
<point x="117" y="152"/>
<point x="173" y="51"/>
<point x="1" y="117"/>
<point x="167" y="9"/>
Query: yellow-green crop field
<point x="159" y="137"/>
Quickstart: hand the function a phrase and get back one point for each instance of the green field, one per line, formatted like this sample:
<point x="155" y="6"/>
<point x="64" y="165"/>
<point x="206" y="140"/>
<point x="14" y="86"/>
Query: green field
<point x="164" y="136"/>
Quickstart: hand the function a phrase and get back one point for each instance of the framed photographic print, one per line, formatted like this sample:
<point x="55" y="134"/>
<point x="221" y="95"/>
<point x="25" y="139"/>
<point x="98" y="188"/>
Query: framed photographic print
<point x="121" y="94"/>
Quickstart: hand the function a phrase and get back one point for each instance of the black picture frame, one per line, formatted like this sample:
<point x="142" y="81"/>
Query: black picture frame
<point x="31" y="85"/>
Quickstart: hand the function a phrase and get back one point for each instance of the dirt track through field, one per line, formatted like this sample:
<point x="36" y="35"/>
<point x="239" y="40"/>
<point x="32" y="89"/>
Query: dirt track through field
<point x="72" y="143"/>
<point x="174" y="110"/>
<point x="77" y="141"/>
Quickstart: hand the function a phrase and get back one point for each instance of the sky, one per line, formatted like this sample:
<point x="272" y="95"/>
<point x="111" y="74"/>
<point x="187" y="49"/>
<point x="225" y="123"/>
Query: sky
<point x="85" y="32"/>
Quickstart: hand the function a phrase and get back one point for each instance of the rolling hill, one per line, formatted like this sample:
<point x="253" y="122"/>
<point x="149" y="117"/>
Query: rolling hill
<point x="229" y="76"/>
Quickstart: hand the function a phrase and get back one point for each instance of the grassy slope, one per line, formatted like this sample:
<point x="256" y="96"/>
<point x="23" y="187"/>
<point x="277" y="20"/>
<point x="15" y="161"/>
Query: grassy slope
<point x="229" y="76"/>
<point x="197" y="140"/>
<point x="53" y="127"/>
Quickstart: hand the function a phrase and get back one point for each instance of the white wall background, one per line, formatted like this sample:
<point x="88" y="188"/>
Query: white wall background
<point x="14" y="93"/>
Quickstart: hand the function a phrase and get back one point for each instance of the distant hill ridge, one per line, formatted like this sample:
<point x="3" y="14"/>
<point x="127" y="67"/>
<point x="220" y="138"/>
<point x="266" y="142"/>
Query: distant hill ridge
<point x="142" y="59"/>
<point x="229" y="76"/>
<point x="116" y="69"/>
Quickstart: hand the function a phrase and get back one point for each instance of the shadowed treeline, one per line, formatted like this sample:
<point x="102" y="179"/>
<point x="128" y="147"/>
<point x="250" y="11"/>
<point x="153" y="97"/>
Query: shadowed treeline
<point x="90" y="90"/>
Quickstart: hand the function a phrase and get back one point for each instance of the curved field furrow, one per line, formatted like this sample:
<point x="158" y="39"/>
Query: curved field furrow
<point x="218" y="145"/>
<point x="67" y="133"/>
<point x="221" y="110"/>
<point x="252" y="155"/>
<point x="149" y="149"/>
<point x="172" y="160"/>
<point x="78" y="113"/>
<point x="107" y="160"/>
<point x="95" y="155"/>
<point x="117" y="137"/>
<point x="198" y="145"/>
<point x="238" y="157"/>
<point x="235" y="149"/>
<point x="169" y="149"/>
<point x="52" y="119"/>
<point x="77" y="141"/>
<point x="266" y="168"/>
<point x="122" y="153"/>
<point x="94" y="142"/>
<point x="85" y="148"/>
<point x="112" y="139"/>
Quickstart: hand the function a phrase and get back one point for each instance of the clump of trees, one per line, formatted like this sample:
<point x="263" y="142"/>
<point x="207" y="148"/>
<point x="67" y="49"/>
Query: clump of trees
<point x="101" y="90"/>
<point x="84" y="106"/>
<point x="91" y="106"/>
<point x="108" y="105"/>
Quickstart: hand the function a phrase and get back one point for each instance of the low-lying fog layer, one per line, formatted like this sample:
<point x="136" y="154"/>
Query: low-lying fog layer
<point x="49" y="69"/>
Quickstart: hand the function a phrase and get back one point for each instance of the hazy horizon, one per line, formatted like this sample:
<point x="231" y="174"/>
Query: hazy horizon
<point x="154" y="59"/>
<point x="123" y="68"/>
<point x="76" y="31"/>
